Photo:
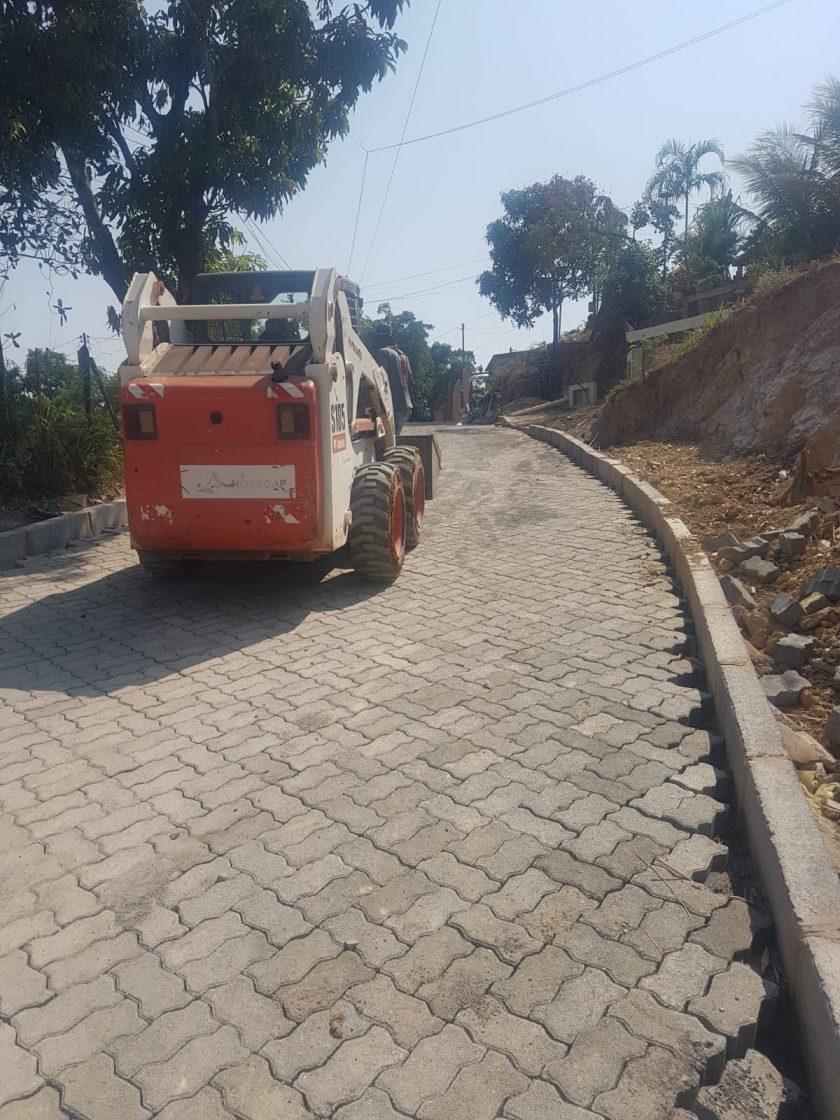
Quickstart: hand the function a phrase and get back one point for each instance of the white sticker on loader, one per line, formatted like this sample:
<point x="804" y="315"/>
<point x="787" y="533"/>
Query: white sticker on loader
<point x="237" y="482"/>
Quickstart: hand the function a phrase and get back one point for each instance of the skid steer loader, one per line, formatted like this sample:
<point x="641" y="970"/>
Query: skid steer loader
<point x="257" y="425"/>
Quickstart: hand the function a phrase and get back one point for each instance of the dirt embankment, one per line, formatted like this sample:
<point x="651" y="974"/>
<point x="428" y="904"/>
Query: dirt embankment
<point x="765" y="380"/>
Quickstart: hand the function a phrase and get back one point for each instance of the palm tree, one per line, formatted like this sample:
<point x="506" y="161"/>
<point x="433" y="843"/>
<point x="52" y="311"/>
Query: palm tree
<point x="717" y="237"/>
<point x="678" y="173"/>
<point x="781" y="170"/>
<point x="824" y="111"/>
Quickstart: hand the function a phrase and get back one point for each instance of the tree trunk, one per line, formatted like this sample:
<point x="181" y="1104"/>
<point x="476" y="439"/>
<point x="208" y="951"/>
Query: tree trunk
<point x="556" y="312"/>
<point x="111" y="264"/>
<point x="4" y="417"/>
<point x="686" y="229"/>
<point x="190" y="258"/>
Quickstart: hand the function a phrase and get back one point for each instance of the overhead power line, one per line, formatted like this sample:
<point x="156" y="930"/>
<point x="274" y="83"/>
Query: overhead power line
<point x="267" y="246"/>
<point x="588" y="84"/>
<point x="424" y="291"/>
<point x="399" y="146"/>
<point x="433" y="272"/>
<point x="358" y="210"/>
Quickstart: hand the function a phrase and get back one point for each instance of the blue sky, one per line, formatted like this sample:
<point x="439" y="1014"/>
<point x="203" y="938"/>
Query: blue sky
<point x="487" y="56"/>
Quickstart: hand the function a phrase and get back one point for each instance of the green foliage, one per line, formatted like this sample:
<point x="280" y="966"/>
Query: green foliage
<point x="794" y="178"/>
<point x="693" y="337"/>
<point x="617" y="389"/>
<point x="549" y="246"/>
<point x="225" y="258"/>
<point x="633" y="289"/>
<point x="715" y="240"/>
<point x="48" y="447"/>
<point x="677" y="173"/>
<point x="433" y="366"/>
<point x="233" y="103"/>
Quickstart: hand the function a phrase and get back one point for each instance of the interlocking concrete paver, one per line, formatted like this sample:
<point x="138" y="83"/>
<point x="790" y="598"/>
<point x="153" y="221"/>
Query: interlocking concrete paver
<point x="257" y="1018"/>
<point x="251" y="1091"/>
<point x="580" y="1002"/>
<point x="20" y="1075"/>
<point x="350" y="1070"/>
<point x="262" y="835"/>
<point x="20" y="985"/>
<point x="44" y="1105"/>
<point x="205" y="1105"/>
<point x="430" y="1068"/>
<point x="156" y="990"/>
<point x="526" y="1043"/>
<point x="326" y="983"/>
<point x="407" y="1018"/>
<point x="310" y="1044"/>
<point x="193" y="1066"/>
<point x="542" y="1102"/>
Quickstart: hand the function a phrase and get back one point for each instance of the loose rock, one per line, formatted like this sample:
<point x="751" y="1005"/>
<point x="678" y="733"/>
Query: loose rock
<point x="737" y="593"/>
<point x="761" y="570"/>
<point x="825" y="582"/>
<point x="794" y="650"/>
<point x="750" y="1089"/>
<point x="803" y="749"/>
<point x="832" y="729"/>
<point x="715" y="544"/>
<point x="805" y="524"/>
<point x="784" y="689"/>
<point x="785" y="609"/>
<point x="758" y="546"/>
<point x="791" y="544"/>
<point x="812" y="603"/>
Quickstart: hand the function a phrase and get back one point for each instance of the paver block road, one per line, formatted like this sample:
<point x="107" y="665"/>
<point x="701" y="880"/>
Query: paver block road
<point x="279" y="844"/>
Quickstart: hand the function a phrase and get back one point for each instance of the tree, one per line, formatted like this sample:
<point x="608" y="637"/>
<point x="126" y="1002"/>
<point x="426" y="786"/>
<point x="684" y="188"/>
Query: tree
<point x="547" y="248"/>
<point x="794" y="178"/>
<point x="432" y="366"/>
<point x="153" y="127"/>
<point x="678" y="174"/>
<point x="632" y="288"/>
<point x="715" y="240"/>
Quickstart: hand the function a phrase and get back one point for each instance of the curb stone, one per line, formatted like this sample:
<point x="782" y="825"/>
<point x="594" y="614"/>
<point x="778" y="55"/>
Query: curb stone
<point x="800" y="884"/>
<point x="58" y="532"/>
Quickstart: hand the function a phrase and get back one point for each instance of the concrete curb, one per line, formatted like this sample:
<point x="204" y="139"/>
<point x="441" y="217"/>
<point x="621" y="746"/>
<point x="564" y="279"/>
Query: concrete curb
<point x="787" y="848"/>
<point x="58" y="532"/>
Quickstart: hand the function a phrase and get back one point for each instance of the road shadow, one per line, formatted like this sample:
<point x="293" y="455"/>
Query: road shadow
<point x="129" y="628"/>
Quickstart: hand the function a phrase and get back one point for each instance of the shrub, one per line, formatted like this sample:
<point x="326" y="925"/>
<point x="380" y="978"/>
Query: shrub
<point x="48" y="447"/>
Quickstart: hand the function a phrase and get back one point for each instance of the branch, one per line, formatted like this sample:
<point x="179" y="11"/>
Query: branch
<point x="109" y="260"/>
<point x="211" y="115"/>
<point x="116" y="134"/>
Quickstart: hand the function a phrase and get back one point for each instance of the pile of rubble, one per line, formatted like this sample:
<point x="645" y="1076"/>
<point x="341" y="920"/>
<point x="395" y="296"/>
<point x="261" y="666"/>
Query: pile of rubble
<point x="795" y="633"/>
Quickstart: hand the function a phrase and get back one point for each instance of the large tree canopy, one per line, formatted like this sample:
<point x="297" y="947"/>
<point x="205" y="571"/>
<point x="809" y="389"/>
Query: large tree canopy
<point x="549" y="246"/>
<point x="153" y="127"/>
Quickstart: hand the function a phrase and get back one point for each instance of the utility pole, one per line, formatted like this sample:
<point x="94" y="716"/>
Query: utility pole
<point x="39" y="393"/>
<point x="463" y="346"/>
<point x="83" y="357"/>
<point x="4" y="416"/>
<point x="104" y="392"/>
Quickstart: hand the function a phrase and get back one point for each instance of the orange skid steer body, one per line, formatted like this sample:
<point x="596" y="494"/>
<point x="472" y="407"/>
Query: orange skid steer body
<point x="256" y="425"/>
<point x="219" y="465"/>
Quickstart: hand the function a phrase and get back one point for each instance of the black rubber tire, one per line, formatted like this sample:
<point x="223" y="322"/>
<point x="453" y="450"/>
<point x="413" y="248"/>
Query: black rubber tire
<point x="377" y="502"/>
<point x="410" y="465"/>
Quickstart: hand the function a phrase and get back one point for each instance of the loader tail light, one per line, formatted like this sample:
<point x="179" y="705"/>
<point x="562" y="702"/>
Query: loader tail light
<point x="293" y="421"/>
<point x="139" y="421"/>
